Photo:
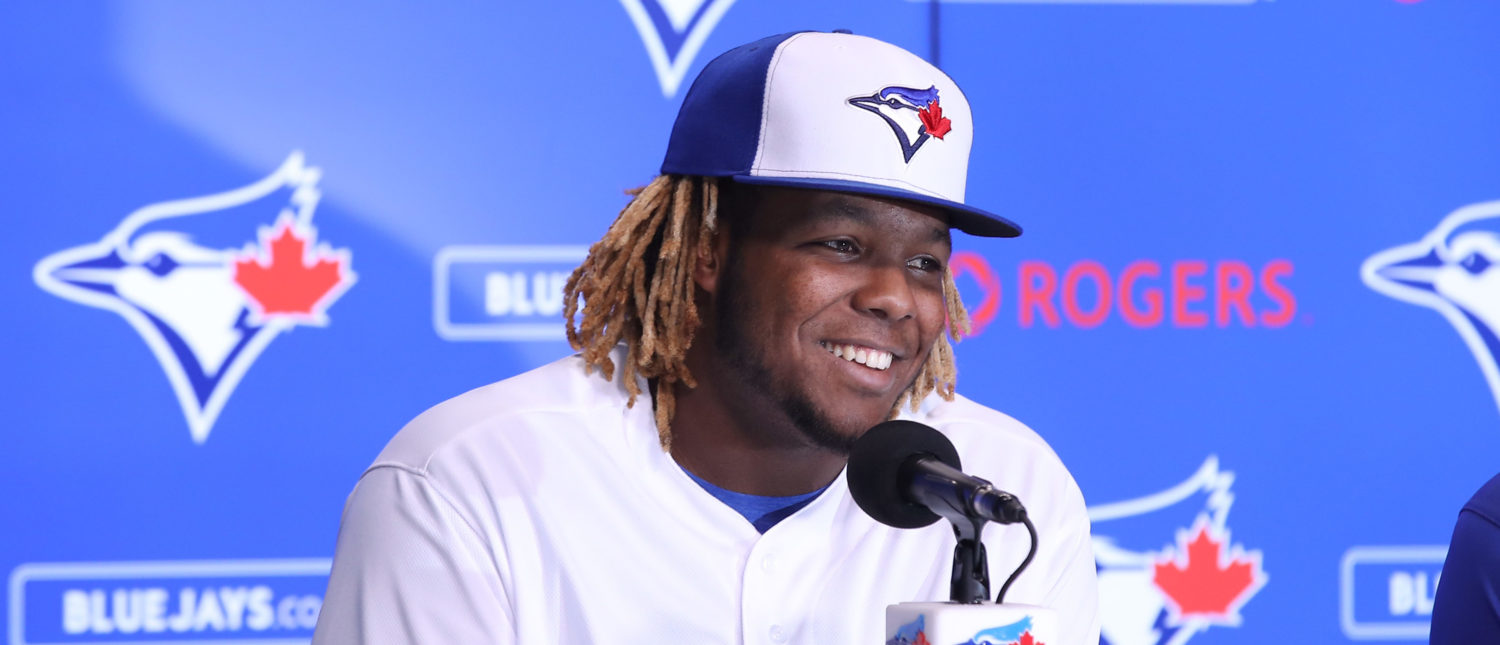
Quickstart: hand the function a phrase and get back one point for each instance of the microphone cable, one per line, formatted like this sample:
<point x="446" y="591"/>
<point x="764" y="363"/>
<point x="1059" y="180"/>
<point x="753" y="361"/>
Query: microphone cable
<point x="1030" y="553"/>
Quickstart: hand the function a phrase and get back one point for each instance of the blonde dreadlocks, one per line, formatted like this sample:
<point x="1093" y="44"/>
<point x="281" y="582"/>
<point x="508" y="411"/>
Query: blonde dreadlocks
<point x="637" y="286"/>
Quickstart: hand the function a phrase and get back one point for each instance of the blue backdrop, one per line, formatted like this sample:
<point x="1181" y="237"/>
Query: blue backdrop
<point x="1255" y="309"/>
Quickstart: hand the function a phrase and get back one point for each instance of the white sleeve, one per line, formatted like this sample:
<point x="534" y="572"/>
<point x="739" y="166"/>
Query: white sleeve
<point x="1075" y="589"/>
<point x="409" y="568"/>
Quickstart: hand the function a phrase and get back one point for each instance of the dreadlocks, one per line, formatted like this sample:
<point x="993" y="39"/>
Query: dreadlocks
<point x="637" y="287"/>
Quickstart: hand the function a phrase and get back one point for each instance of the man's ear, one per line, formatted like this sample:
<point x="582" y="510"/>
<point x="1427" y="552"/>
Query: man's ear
<point x="710" y="263"/>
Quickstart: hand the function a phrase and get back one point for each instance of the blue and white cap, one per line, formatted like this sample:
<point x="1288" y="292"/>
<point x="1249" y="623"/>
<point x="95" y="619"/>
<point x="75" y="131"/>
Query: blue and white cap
<point x="832" y="111"/>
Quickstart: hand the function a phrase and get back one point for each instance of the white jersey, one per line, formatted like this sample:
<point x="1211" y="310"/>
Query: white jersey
<point x="541" y="509"/>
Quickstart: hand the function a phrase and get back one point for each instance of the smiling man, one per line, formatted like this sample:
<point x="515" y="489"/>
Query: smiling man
<point x="825" y="307"/>
<point x="781" y="287"/>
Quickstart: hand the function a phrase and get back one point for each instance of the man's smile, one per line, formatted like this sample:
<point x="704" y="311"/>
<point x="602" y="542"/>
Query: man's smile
<point x="868" y="356"/>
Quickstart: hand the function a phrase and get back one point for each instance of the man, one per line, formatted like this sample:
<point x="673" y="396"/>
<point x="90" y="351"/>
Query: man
<point x="1466" y="608"/>
<point x="780" y="289"/>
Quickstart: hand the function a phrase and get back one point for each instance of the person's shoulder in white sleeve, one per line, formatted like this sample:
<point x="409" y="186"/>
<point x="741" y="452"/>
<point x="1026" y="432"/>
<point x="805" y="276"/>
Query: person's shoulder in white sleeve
<point x="417" y="559"/>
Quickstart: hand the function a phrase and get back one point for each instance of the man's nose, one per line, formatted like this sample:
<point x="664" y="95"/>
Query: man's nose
<point x="886" y="293"/>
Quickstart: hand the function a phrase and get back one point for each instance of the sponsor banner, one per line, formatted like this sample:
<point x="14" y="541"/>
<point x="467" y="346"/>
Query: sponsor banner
<point x="504" y="293"/>
<point x="171" y="237"/>
<point x="1386" y="592"/>
<point x="514" y="293"/>
<point x="1144" y="294"/>
<point x="219" y="601"/>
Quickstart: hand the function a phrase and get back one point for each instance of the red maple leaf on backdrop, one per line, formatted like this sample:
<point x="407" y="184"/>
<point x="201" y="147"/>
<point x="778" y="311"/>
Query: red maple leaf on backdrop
<point x="287" y="282"/>
<point x="932" y="118"/>
<point x="1210" y="584"/>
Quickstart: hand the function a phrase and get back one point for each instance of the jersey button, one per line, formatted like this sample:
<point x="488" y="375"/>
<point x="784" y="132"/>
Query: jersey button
<point x="767" y="564"/>
<point x="778" y="635"/>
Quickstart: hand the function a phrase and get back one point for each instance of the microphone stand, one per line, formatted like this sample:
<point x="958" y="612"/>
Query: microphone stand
<point x="971" y="569"/>
<point x="969" y="615"/>
<point x="967" y="503"/>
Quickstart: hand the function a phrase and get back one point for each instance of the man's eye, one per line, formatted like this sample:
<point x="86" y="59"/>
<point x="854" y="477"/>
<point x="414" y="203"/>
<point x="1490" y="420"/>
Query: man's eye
<point x="925" y="264"/>
<point x="841" y="246"/>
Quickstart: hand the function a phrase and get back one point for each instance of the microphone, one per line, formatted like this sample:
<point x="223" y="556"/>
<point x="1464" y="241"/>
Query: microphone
<point x="906" y="474"/>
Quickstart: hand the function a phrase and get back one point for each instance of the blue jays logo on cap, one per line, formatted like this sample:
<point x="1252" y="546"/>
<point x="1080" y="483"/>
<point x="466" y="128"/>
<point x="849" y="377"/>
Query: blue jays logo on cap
<point x="904" y="107"/>
<point x="780" y="111"/>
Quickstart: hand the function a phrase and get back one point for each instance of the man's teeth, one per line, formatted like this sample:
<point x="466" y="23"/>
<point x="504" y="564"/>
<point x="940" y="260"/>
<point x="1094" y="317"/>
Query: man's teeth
<point x="863" y="355"/>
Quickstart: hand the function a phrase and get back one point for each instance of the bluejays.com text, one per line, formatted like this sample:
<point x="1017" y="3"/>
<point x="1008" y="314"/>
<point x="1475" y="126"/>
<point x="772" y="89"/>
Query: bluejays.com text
<point x="209" y="609"/>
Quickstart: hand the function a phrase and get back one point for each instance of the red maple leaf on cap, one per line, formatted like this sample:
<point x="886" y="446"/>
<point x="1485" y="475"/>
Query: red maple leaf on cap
<point x="932" y="118"/>
<point x="288" y="282"/>
<point x="1213" y="582"/>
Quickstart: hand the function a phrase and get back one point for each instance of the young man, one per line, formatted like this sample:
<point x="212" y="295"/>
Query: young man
<point x="780" y="289"/>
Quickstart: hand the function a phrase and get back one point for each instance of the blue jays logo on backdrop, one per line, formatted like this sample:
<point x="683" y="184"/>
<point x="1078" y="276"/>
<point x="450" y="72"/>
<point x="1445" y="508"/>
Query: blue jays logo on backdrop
<point x="206" y="301"/>
<point x="913" y="115"/>
<point x="1167" y="567"/>
<point x="673" y="32"/>
<point x="1455" y="269"/>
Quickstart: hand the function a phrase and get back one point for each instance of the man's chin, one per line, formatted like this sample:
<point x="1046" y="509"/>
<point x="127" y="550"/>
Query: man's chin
<point x="838" y="435"/>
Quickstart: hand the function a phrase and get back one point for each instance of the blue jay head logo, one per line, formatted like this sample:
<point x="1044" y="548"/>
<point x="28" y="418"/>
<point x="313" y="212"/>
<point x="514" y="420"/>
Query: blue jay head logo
<point x="204" y="299"/>
<point x="1016" y="633"/>
<point x="673" y="32"/>
<point x="1455" y="270"/>
<point x="913" y="115"/>
<point x="1168" y="569"/>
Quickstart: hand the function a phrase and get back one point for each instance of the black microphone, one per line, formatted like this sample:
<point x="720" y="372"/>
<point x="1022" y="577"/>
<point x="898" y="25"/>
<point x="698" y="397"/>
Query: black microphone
<point x="905" y="474"/>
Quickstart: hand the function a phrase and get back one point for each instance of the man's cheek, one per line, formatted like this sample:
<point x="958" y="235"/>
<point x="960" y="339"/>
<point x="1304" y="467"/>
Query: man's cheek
<point x="914" y="367"/>
<point x="933" y="320"/>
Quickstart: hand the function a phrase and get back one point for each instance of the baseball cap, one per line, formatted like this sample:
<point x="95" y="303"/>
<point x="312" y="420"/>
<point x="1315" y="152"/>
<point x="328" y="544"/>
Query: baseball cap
<point x="832" y="111"/>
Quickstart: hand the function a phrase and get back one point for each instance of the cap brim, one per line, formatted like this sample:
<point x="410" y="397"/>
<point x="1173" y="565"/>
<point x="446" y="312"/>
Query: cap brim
<point x="961" y="216"/>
